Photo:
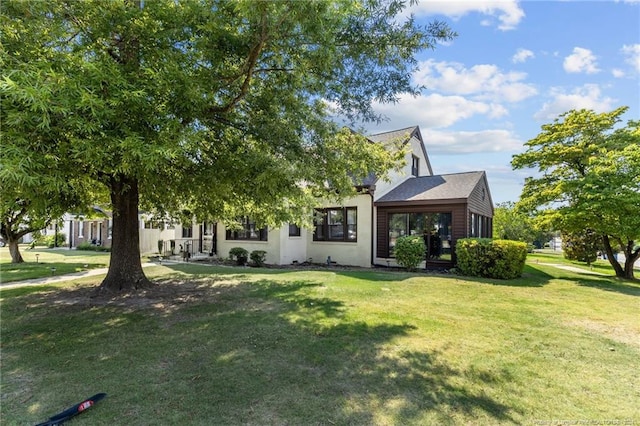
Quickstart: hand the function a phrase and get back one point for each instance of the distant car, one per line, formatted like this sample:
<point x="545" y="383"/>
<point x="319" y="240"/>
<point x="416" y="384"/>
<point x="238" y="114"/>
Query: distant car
<point x="2" y="244"/>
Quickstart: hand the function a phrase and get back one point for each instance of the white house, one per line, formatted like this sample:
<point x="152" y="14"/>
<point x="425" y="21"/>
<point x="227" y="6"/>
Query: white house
<point x="362" y="230"/>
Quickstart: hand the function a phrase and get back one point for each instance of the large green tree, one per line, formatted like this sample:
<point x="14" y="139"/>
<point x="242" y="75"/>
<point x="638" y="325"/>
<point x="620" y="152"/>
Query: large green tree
<point x="590" y="168"/>
<point x="221" y="106"/>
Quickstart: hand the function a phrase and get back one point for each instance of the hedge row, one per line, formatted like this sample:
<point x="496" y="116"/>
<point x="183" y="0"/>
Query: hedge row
<point x="484" y="257"/>
<point x="91" y="247"/>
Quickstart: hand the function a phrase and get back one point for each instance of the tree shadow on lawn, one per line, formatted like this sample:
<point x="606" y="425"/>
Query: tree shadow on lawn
<point x="616" y="285"/>
<point x="246" y="353"/>
<point x="370" y="274"/>
<point x="540" y="275"/>
<point x="610" y="283"/>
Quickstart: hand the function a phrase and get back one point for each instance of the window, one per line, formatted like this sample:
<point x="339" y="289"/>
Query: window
<point x="480" y="226"/>
<point x="81" y="229"/>
<point x="435" y="228"/>
<point x="294" y="230"/>
<point x="248" y="231"/>
<point x="336" y="224"/>
<point x="187" y="231"/>
<point x="415" y="166"/>
<point x="208" y="228"/>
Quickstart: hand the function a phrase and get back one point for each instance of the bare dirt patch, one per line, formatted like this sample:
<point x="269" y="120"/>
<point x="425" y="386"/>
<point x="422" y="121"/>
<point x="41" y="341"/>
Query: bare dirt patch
<point x="617" y="333"/>
<point x="166" y="295"/>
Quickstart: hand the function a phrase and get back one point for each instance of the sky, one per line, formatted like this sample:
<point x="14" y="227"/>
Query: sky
<point x="515" y="66"/>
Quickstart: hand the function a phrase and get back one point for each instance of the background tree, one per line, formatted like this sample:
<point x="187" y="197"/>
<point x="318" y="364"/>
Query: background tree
<point x="589" y="179"/>
<point x="220" y="106"/>
<point x="33" y="196"/>
<point x="509" y="223"/>
<point x="582" y="246"/>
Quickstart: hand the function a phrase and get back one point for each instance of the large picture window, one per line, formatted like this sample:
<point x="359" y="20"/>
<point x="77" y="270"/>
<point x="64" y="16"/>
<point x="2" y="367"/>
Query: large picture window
<point x="435" y="228"/>
<point x="336" y="224"/>
<point x="249" y="231"/>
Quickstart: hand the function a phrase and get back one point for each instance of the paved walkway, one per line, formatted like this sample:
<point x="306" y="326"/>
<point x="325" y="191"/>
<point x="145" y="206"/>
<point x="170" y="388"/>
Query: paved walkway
<point x="60" y="278"/>
<point x="572" y="269"/>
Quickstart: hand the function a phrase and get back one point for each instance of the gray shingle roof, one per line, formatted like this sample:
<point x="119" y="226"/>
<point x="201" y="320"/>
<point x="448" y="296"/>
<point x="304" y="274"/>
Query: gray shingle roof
<point x="394" y="134"/>
<point x="429" y="188"/>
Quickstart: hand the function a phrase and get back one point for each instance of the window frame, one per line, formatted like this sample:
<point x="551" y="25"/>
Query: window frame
<point x="189" y="234"/>
<point x="325" y="230"/>
<point x="294" y="230"/>
<point x="404" y="223"/>
<point x="415" y="165"/>
<point x="249" y="227"/>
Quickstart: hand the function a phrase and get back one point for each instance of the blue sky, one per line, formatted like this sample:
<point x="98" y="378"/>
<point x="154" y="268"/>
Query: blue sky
<point x="515" y="66"/>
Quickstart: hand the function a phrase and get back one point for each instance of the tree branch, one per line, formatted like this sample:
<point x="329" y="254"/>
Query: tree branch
<point x="249" y="69"/>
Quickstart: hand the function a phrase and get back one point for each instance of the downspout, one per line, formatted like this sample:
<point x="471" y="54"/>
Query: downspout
<point x="373" y="224"/>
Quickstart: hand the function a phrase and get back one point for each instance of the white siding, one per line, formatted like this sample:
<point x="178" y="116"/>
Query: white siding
<point x="347" y="253"/>
<point x="396" y="178"/>
<point x="271" y="246"/>
<point x="293" y="248"/>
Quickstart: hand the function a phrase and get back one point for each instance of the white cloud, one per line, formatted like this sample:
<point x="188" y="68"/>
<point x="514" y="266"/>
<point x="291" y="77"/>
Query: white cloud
<point x="581" y="60"/>
<point x="483" y="141"/>
<point x="588" y="96"/>
<point x="436" y="110"/>
<point x="632" y="52"/>
<point x="483" y="82"/>
<point x="522" y="55"/>
<point x="508" y="12"/>
<point x="617" y="73"/>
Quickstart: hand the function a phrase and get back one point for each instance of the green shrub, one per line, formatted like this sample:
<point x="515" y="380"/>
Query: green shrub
<point x="48" y="240"/>
<point x="258" y="257"/>
<point x="87" y="246"/>
<point x="239" y="254"/>
<point x="484" y="257"/>
<point x="409" y="251"/>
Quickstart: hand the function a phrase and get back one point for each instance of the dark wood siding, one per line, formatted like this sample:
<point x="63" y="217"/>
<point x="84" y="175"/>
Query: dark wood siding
<point x="480" y="203"/>
<point x="459" y="222"/>
<point x="382" y="234"/>
<point x="480" y="200"/>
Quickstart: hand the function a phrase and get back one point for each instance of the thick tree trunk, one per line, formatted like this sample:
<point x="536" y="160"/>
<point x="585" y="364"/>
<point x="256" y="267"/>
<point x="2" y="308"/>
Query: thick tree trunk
<point x="125" y="268"/>
<point x="630" y="259"/>
<point x="14" y="251"/>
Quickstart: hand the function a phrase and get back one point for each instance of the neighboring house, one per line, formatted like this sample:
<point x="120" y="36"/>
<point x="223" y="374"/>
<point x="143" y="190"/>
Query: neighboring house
<point x="362" y="230"/>
<point x="77" y="229"/>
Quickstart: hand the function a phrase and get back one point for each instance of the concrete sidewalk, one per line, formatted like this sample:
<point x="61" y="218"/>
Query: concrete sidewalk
<point x="573" y="269"/>
<point x="60" y="278"/>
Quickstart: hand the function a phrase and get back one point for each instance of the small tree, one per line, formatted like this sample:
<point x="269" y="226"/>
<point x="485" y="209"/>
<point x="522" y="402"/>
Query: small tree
<point x="410" y="251"/>
<point x="581" y="246"/>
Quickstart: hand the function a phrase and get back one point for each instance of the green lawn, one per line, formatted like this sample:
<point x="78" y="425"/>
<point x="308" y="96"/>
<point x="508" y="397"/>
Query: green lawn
<point x="219" y="345"/>
<point x="38" y="262"/>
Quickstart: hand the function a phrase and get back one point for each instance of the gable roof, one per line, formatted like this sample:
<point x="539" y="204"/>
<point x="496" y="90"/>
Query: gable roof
<point x="395" y="134"/>
<point x="413" y="131"/>
<point x="455" y="186"/>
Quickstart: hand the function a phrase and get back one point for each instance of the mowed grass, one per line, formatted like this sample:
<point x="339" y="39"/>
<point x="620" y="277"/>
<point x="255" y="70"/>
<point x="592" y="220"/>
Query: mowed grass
<point x="38" y="263"/>
<point x="230" y="346"/>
